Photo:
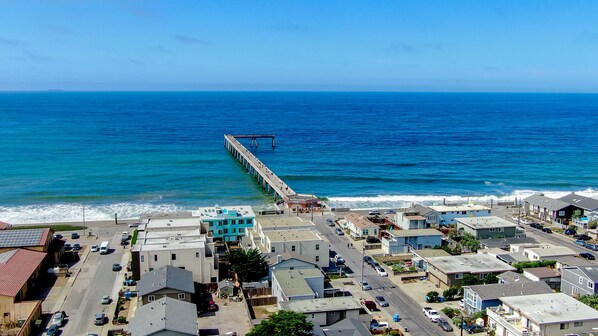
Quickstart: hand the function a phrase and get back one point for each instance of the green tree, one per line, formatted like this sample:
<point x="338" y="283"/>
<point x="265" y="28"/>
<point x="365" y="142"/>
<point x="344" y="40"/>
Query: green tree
<point x="576" y="214"/>
<point x="593" y="224"/>
<point x="283" y="323"/>
<point x="250" y="265"/>
<point x="469" y="241"/>
<point x="450" y="293"/>
<point x="490" y="278"/>
<point x="469" y="280"/>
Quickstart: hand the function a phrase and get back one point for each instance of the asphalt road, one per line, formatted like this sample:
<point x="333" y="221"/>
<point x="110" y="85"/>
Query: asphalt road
<point x="95" y="280"/>
<point x="409" y="310"/>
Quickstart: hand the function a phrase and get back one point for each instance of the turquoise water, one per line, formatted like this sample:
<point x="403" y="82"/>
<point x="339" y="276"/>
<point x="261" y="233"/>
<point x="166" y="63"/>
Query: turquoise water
<point x="132" y="153"/>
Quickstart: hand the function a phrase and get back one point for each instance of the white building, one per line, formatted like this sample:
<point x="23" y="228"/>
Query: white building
<point x="226" y="223"/>
<point x="553" y="314"/>
<point x="541" y="252"/>
<point x="274" y="236"/>
<point x="325" y="311"/>
<point x="446" y="214"/>
<point x="403" y="241"/>
<point x="300" y="284"/>
<point x="360" y="226"/>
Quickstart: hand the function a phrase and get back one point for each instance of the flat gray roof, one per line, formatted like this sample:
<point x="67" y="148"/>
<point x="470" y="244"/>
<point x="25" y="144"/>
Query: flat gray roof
<point x="166" y="314"/>
<point x="292" y="235"/>
<point x="487" y="222"/>
<point x="550" y="308"/>
<point x="415" y="233"/>
<point x="292" y="282"/>
<point x="495" y="291"/>
<point x="469" y="263"/>
<point x="281" y="222"/>
<point x="321" y="305"/>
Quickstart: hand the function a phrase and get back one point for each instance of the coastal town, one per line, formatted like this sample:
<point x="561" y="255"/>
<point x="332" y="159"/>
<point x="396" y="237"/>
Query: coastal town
<point x="524" y="267"/>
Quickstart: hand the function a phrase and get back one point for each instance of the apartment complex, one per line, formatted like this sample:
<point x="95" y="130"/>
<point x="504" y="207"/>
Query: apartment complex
<point x="226" y="223"/>
<point x="487" y="227"/>
<point x="446" y="214"/>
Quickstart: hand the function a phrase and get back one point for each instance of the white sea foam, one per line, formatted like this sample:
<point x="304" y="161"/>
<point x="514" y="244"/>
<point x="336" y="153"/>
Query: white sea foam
<point x="397" y="201"/>
<point x="64" y="212"/>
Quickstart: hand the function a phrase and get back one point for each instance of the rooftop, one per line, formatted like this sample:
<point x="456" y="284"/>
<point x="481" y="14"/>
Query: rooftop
<point x="511" y="277"/>
<point x="217" y="212"/>
<point x="546" y="202"/>
<point x="487" y="222"/>
<point x="550" y="308"/>
<point x="292" y="282"/>
<point x="166" y="314"/>
<point x="170" y="223"/>
<point x="506" y="242"/>
<point x="282" y="223"/>
<point x="415" y="233"/>
<point x="24" y="237"/>
<point x="579" y="201"/>
<point x="172" y="244"/>
<point x="547" y="250"/>
<point x="16" y="267"/>
<point x="360" y="221"/>
<point x="542" y="272"/>
<point x="292" y="235"/>
<point x="166" y="277"/>
<point x="344" y="327"/>
<point x="4" y="226"/>
<point x="590" y="271"/>
<point x="416" y="208"/>
<point x="469" y="263"/>
<point x="495" y="291"/>
<point x="429" y="253"/>
<point x="321" y="305"/>
<point x="464" y="207"/>
<point x="573" y="261"/>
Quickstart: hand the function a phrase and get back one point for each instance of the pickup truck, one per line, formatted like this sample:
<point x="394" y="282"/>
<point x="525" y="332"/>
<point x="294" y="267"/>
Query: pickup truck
<point x="379" y="326"/>
<point x="432" y="314"/>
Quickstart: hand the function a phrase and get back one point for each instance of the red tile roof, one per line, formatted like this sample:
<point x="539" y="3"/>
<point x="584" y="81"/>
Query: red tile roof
<point x="16" y="267"/>
<point x="4" y="226"/>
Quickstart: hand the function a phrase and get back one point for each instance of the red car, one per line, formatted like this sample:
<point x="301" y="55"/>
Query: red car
<point x="212" y="306"/>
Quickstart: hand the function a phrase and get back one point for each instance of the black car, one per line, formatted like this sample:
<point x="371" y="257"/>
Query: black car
<point x="368" y="259"/>
<point x="587" y="256"/>
<point x="444" y="324"/>
<point x="67" y="247"/>
<point x="547" y="230"/>
<point x="57" y="236"/>
<point x="76" y="247"/>
<point x="74" y="235"/>
<point x="474" y="329"/>
<point x="583" y="237"/>
<point x="570" y="232"/>
<point x="375" y="265"/>
<point x="536" y="225"/>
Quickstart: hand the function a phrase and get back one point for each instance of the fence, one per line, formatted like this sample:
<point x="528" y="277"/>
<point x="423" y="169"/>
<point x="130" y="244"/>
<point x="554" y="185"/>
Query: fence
<point x="251" y="292"/>
<point x="262" y="301"/>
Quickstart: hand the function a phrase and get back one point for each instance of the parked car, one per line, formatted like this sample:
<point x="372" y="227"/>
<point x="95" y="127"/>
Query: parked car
<point x="58" y="318"/>
<point x="339" y="259"/>
<point x="68" y="247"/>
<point x="375" y="265"/>
<point x="583" y="237"/>
<point x="366" y="286"/>
<point x="74" y="235"/>
<point x="378" y="326"/>
<point x="134" y="225"/>
<point x="536" y="225"/>
<point x="592" y="247"/>
<point x="52" y="331"/>
<point x="212" y="306"/>
<point x="116" y="267"/>
<point x="57" y="236"/>
<point x="381" y="301"/>
<point x="390" y="212"/>
<point x="580" y="242"/>
<point x="430" y="313"/>
<point x="444" y="324"/>
<point x="95" y="248"/>
<point x="587" y="256"/>
<point x="76" y="247"/>
<point x="106" y="299"/>
<point x="368" y="259"/>
<point x="330" y="222"/>
<point x="547" y="230"/>
<point x="474" y="328"/>
<point x="381" y="272"/>
<point x="371" y="305"/>
<point x="570" y="232"/>
<point x="339" y="232"/>
<point x="99" y="319"/>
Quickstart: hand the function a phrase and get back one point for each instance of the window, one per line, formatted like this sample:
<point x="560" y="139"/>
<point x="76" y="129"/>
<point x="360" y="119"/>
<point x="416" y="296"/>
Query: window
<point x="241" y="221"/>
<point x="443" y="213"/>
<point x="501" y="229"/>
<point x="234" y="221"/>
<point x="464" y="212"/>
<point x="580" y="280"/>
<point x="317" y="258"/>
<point x="151" y="269"/>
<point x="181" y="296"/>
<point x="155" y="257"/>
<point x="492" y="229"/>
<point x="225" y="230"/>
<point x="578" y="324"/>
<point x="561" y="213"/>
<point x="273" y="249"/>
<point x="365" y="231"/>
<point x="220" y="223"/>
<point x="590" y="285"/>
<point x="150" y="298"/>
<point x="564" y="326"/>
<point x="241" y="230"/>
<point x="317" y="247"/>
<point x="458" y="275"/>
<point x="142" y="258"/>
<point x="196" y="254"/>
<point x="234" y="230"/>
<point x="481" y="276"/>
<point x="249" y="221"/>
<point x="219" y="232"/>
<point x="293" y="248"/>
<point x="173" y="256"/>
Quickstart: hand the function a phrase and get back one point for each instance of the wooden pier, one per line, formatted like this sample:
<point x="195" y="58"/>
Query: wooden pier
<point x="265" y="177"/>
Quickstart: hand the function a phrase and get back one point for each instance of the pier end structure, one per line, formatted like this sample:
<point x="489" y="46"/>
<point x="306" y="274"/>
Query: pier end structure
<point x="265" y="177"/>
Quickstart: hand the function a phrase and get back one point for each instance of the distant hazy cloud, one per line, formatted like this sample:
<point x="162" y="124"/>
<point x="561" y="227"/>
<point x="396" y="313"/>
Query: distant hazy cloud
<point x="292" y="27"/>
<point x="415" y="48"/>
<point x="190" y="40"/>
<point x="11" y="42"/>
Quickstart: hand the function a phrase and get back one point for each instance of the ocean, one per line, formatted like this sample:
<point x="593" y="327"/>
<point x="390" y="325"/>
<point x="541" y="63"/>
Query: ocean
<point x="137" y="152"/>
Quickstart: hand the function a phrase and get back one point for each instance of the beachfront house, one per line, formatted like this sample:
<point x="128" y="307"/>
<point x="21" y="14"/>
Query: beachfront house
<point x="548" y="209"/>
<point x="542" y="315"/>
<point x="447" y="214"/>
<point x="361" y="227"/>
<point x="487" y="227"/>
<point x="403" y="241"/>
<point x="445" y="272"/>
<point x="587" y="204"/>
<point x="227" y="224"/>
<point x="479" y="297"/>
<point x="577" y="281"/>
<point x="415" y="217"/>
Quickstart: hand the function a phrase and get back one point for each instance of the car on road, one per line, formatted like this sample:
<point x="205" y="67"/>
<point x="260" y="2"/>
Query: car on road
<point x="58" y="318"/>
<point x="371" y="305"/>
<point x="99" y="319"/>
<point x="366" y="286"/>
<point x="74" y="235"/>
<point x="583" y="237"/>
<point x="76" y="247"/>
<point x="444" y="324"/>
<point x="68" y="247"/>
<point x="536" y="225"/>
<point x="330" y="222"/>
<point x="57" y="236"/>
<point x="375" y="265"/>
<point x="587" y="256"/>
<point x="381" y="272"/>
<point x="547" y="230"/>
<point x="390" y="212"/>
<point x="106" y="299"/>
<point x="368" y="259"/>
<point x="95" y="248"/>
<point x="339" y="232"/>
<point x="580" y="243"/>
<point x="570" y="232"/>
<point x="432" y="314"/>
<point x="592" y="247"/>
<point x="134" y="225"/>
<point x="339" y="259"/>
<point x="374" y="213"/>
<point x="381" y="301"/>
<point x="116" y="267"/>
<point x="52" y="331"/>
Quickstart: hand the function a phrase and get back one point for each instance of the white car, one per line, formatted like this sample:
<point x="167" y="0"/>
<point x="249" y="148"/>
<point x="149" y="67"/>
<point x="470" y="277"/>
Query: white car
<point x="366" y="286"/>
<point x="95" y="248"/>
<point x="381" y="272"/>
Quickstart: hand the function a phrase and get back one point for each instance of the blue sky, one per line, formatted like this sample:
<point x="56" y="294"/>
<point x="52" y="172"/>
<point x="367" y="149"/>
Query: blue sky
<point x="518" y="46"/>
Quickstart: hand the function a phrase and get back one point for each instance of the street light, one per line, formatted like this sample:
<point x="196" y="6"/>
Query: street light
<point x="362" y="265"/>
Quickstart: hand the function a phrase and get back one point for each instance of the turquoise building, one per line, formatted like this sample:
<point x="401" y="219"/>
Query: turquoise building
<point x="226" y="223"/>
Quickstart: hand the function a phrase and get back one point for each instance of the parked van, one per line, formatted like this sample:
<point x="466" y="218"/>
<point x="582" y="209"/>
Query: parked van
<point x="371" y="305"/>
<point x="104" y="247"/>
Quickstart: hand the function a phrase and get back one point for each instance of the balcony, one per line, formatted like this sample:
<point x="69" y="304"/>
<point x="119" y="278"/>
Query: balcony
<point x="512" y="323"/>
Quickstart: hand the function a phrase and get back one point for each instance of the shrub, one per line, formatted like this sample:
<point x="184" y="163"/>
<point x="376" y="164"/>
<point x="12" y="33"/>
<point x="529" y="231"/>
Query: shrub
<point x="450" y="293"/>
<point x="121" y="319"/>
<point x="451" y="312"/>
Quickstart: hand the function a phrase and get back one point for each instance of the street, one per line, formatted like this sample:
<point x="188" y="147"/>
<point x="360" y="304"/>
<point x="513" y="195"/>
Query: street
<point x="409" y="310"/>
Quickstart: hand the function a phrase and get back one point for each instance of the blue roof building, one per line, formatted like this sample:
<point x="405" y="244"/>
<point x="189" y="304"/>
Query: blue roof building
<point x="226" y="223"/>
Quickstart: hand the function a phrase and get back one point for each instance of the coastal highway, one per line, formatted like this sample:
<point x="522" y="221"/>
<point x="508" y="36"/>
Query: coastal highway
<point x="409" y="310"/>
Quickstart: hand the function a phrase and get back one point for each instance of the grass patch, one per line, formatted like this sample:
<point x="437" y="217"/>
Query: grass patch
<point x="58" y="227"/>
<point x="134" y="239"/>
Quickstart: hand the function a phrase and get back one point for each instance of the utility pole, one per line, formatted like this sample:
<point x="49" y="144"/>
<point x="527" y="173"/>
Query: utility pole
<point x="362" y="265"/>
<point x="84" y="226"/>
<point x="462" y="326"/>
<point x="519" y="215"/>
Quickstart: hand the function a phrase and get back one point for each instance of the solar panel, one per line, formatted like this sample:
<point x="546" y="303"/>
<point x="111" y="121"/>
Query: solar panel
<point x="17" y="238"/>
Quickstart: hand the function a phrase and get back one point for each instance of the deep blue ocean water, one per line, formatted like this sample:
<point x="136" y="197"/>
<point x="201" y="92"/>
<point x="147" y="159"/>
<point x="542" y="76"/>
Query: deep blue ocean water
<point x="136" y="152"/>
